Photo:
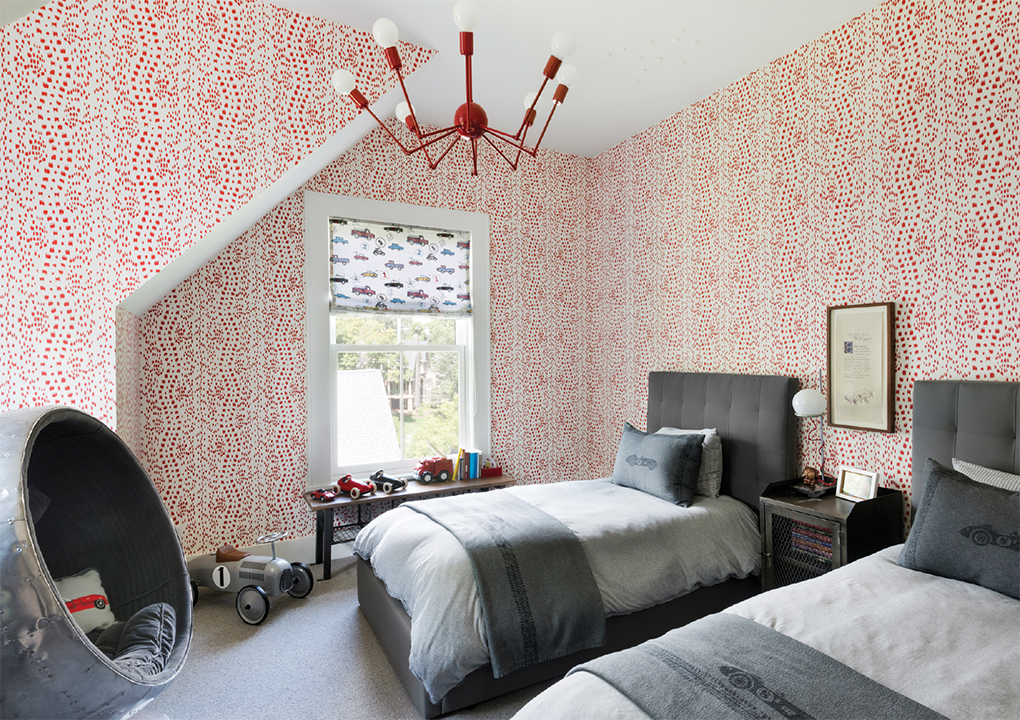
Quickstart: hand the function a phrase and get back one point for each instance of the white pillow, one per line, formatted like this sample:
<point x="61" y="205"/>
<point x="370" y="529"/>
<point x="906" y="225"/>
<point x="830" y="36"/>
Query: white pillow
<point x="710" y="475"/>
<point x="86" y="598"/>
<point x="988" y="476"/>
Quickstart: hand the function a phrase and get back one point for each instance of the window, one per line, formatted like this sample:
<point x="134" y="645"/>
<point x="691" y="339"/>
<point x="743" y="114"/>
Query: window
<point x="388" y="387"/>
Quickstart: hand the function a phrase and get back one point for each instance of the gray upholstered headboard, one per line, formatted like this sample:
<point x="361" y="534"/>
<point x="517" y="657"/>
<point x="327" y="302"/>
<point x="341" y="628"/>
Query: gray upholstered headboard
<point x="969" y="420"/>
<point x="752" y="413"/>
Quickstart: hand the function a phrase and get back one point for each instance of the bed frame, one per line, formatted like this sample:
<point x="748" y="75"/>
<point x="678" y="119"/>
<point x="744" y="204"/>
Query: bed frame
<point x="754" y="417"/>
<point x="973" y="421"/>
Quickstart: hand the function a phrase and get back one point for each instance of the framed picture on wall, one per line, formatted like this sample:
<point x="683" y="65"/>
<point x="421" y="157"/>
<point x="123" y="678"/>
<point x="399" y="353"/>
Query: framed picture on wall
<point x="855" y="485"/>
<point x="861" y="370"/>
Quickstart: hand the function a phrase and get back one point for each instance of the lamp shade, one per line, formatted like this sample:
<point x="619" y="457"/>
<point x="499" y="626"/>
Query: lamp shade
<point x="809" y="403"/>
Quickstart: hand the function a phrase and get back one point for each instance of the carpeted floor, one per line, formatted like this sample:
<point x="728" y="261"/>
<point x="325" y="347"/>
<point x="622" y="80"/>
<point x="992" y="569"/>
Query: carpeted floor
<point x="311" y="659"/>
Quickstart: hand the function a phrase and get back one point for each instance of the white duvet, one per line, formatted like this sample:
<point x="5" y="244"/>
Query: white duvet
<point x="642" y="550"/>
<point x="949" y="645"/>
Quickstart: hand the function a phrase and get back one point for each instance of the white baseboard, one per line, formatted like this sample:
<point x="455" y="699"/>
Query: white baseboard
<point x="300" y="549"/>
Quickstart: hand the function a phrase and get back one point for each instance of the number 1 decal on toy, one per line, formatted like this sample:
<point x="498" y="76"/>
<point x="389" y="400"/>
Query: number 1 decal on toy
<point x="221" y="577"/>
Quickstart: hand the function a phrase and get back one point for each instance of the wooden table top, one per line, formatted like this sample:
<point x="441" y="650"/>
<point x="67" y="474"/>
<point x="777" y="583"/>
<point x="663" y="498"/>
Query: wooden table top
<point x="414" y="490"/>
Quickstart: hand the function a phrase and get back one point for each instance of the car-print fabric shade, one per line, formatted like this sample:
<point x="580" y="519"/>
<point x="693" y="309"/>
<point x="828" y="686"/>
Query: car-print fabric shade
<point x="378" y="267"/>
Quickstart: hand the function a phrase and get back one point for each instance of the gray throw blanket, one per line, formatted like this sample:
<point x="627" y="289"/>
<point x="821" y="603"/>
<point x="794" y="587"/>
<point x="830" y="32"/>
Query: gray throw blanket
<point x="726" y="666"/>
<point x="538" y="595"/>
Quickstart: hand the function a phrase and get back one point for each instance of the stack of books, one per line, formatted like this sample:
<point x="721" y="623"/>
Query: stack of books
<point x="811" y="540"/>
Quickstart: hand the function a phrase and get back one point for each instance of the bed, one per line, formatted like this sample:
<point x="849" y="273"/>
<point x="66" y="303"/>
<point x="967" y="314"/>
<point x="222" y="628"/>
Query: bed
<point x="756" y="426"/>
<point x="922" y="629"/>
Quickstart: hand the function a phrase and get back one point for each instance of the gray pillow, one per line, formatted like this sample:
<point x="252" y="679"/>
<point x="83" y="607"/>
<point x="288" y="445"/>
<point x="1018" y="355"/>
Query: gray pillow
<point x="665" y="466"/>
<point x="967" y="531"/>
<point x="146" y="640"/>
<point x="710" y="475"/>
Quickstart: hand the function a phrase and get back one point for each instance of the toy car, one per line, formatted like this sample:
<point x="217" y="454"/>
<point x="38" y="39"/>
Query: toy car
<point x="255" y="578"/>
<point x="86" y="603"/>
<point x="354" y="488"/>
<point x="322" y="494"/>
<point x="386" y="483"/>
<point x="437" y="469"/>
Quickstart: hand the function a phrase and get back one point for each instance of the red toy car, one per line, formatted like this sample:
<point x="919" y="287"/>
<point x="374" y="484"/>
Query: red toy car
<point x="86" y="603"/>
<point x="322" y="494"/>
<point x="354" y="488"/>
<point x="437" y="469"/>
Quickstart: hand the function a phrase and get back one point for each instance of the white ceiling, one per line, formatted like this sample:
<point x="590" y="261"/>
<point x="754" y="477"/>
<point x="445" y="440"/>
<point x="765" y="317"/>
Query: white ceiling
<point x="640" y="61"/>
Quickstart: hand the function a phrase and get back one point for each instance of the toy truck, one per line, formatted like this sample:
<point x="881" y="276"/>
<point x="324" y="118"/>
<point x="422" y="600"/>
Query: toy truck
<point x="437" y="469"/>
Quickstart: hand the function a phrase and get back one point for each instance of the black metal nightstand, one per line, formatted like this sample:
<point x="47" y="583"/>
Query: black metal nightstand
<point x="805" y="537"/>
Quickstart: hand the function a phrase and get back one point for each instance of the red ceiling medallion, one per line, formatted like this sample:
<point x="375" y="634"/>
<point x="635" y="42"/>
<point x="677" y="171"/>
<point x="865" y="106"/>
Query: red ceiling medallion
<point x="470" y="120"/>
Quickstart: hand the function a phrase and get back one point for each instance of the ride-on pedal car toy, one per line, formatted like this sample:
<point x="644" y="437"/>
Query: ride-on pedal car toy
<point x="386" y="483"/>
<point x="354" y="488"/>
<point x="255" y="578"/>
<point x="437" y="469"/>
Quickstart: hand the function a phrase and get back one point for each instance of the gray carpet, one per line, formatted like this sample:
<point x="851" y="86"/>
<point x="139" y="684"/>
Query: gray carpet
<point x="312" y="658"/>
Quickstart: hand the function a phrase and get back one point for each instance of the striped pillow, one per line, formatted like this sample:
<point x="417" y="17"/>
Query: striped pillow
<point x="996" y="478"/>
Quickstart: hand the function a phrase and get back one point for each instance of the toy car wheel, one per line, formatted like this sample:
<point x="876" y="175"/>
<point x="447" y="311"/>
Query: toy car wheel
<point x="252" y="604"/>
<point x="303" y="580"/>
<point x="444" y="475"/>
<point x="426" y="477"/>
<point x="194" y="593"/>
<point x="387" y="487"/>
<point x="355" y="493"/>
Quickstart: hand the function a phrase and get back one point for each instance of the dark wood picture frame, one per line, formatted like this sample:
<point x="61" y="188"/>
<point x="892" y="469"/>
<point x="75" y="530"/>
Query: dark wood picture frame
<point x="861" y="366"/>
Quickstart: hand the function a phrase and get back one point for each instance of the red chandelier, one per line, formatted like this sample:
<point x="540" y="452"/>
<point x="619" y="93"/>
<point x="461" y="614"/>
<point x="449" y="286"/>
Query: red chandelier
<point x="469" y="121"/>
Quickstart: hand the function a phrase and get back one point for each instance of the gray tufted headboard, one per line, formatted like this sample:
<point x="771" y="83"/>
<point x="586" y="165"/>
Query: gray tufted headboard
<point x="969" y="420"/>
<point x="752" y="413"/>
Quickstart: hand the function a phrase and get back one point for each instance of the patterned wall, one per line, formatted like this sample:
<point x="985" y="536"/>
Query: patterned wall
<point x="130" y="129"/>
<point x="224" y="399"/>
<point x="876" y="163"/>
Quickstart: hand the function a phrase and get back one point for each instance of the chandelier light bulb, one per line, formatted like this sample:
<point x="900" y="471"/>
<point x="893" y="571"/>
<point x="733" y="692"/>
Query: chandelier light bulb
<point x="568" y="75"/>
<point x="528" y="99"/>
<point x="465" y="14"/>
<point x="403" y="111"/>
<point x="563" y="45"/>
<point x="343" y="81"/>
<point x="385" y="32"/>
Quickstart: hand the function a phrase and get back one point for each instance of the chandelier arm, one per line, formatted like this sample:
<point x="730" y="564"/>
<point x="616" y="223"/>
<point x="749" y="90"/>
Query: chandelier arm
<point x="440" y="158"/>
<point x="513" y="165"/>
<point x="474" y="154"/>
<point x="508" y="139"/>
<point x="545" y="127"/>
<point x="444" y="132"/>
<point x="433" y="141"/>
<point x="534" y="103"/>
<point x="389" y="132"/>
<point x="407" y="99"/>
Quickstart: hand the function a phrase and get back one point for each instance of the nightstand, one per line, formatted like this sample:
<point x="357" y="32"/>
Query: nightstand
<point x="804" y="537"/>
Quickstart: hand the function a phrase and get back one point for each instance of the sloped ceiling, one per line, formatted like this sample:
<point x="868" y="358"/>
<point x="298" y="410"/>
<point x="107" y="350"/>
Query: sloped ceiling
<point x="640" y="60"/>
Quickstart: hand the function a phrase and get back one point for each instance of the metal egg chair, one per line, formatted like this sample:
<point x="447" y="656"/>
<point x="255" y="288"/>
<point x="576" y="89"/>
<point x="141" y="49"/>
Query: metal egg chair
<point x="104" y="513"/>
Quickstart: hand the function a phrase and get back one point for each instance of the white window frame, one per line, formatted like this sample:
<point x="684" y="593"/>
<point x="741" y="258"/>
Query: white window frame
<point x="475" y="376"/>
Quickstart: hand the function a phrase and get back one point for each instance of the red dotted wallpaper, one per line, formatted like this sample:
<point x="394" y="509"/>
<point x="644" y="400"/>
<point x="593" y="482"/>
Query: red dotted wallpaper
<point x="874" y="164"/>
<point x="130" y="129"/>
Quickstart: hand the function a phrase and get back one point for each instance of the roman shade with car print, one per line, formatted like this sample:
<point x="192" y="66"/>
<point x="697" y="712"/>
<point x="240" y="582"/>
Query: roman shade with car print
<point x="376" y="267"/>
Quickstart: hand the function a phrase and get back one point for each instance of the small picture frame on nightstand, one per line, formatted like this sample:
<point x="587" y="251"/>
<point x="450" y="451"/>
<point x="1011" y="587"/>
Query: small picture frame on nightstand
<point x="855" y="485"/>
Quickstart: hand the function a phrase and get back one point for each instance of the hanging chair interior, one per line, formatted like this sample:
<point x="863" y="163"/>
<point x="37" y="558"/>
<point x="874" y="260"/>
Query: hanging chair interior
<point x="89" y="506"/>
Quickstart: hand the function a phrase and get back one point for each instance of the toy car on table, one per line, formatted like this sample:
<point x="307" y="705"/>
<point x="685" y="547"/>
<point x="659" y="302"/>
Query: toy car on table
<point x="354" y="488"/>
<point x="255" y="578"/>
<point x="436" y="469"/>
<point x="386" y="483"/>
